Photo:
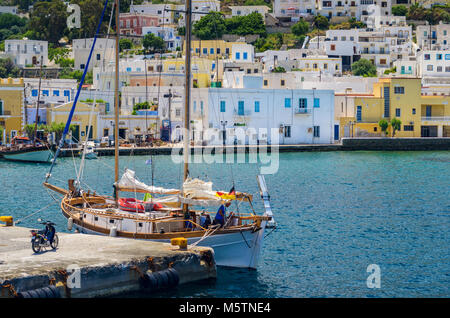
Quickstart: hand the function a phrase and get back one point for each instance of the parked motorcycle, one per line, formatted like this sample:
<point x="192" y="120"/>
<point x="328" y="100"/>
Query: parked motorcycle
<point x="44" y="238"/>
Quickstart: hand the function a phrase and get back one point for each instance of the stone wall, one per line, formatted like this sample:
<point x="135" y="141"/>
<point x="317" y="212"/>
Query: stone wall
<point x="395" y="144"/>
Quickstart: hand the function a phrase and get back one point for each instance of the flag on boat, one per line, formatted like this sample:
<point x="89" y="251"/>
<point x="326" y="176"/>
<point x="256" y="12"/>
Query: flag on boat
<point x="148" y="161"/>
<point x="232" y="191"/>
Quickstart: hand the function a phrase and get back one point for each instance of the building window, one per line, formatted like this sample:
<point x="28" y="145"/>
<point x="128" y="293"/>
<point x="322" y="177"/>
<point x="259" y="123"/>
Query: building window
<point x="218" y="50"/>
<point x="256" y="106"/>
<point x="358" y="113"/>
<point x="287" y="131"/>
<point x="399" y="90"/>
<point x="34" y="92"/>
<point x="55" y="93"/>
<point x="245" y="55"/>
<point x="429" y="67"/>
<point x="282" y="83"/>
<point x="316" y="102"/>
<point x="439" y="69"/>
<point x="316" y="131"/>
<point x="438" y="56"/>
<point x="408" y="127"/>
<point x="98" y="57"/>
<point x="238" y="55"/>
<point x="427" y="56"/>
<point x="205" y="51"/>
<point x="332" y="47"/>
<point x="413" y="111"/>
<point x="287" y="103"/>
<point x="302" y="103"/>
<point x="265" y="82"/>
<point x="397" y="112"/>
<point x="45" y="92"/>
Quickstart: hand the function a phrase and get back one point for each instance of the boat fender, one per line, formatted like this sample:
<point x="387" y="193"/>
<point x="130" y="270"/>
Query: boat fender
<point x="69" y="223"/>
<point x="113" y="231"/>
<point x="50" y="291"/>
<point x="152" y="281"/>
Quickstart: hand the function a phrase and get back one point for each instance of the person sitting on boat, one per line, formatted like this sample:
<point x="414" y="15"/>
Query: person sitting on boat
<point x="221" y="214"/>
<point x="205" y="220"/>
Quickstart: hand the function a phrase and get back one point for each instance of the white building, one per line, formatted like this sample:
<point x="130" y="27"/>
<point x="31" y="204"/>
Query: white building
<point x="238" y="11"/>
<point x="243" y="53"/>
<point x="293" y="9"/>
<point x="167" y="34"/>
<point x="343" y="44"/>
<point x="297" y="116"/>
<point x="9" y="9"/>
<point x="433" y="37"/>
<point x="27" y="52"/>
<point x="53" y="91"/>
<point x="103" y="52"/>
<point x="434" y="63"/>
<point x="353" y="8"/>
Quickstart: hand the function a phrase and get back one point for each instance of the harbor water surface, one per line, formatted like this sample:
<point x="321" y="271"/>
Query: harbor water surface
<point x="337" y="213"/>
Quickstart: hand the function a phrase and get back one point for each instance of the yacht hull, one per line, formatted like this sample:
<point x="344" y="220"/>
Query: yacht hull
<point x="238" y="249"/>
<point x="41" y="155"/>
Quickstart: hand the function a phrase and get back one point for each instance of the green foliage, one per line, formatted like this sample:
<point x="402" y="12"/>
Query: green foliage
<point x="181" y="31"/>
<point x="210" y="26"/>
<point x="321" y="22"/>
<point x="279" y="69"/>
<point x="8" y="69"/>
<point x="383" y="123"/>
<point x="399" y="10"/>
<point x="356" y="24"/>
<point x="152" y="43"/>
<point x="433" y="15"/>
<point x="364" y="67"/>
<point x="300" y="28"/>
<point x="391" y="70"/>
<point x="125" y="44"/>
<point x="247" y="24"/>
<point x="395" y="124"/>
<point x="48" y="20"/>
<point x="257" y="3"/>
<point x="143" y="105"/>
<point x="273" y="41"/>
<point x="69" y="73"/>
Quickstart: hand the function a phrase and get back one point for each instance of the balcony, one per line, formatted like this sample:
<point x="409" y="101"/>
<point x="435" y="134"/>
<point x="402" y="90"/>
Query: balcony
<point x="241" y="113"/>
<point x="435" y="118"/>
<point x="302" y="111"/>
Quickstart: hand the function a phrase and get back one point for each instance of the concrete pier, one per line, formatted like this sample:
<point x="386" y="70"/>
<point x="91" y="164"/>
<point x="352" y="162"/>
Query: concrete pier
<point x="105" y="266"/>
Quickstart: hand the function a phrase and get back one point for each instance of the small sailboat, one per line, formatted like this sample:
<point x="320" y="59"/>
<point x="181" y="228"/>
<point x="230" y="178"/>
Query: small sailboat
<point x="166" y="213"/>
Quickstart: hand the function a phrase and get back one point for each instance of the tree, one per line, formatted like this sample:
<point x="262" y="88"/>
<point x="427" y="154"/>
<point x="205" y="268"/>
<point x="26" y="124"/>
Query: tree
<point x="300" y="28"/>
<point x="152" y="43"/>
<point x="125" y="44"/>
<point x="8" y="69"/>
<point x="279" y="69"/>
<point x="321" y="22"/>
<point x="395" y="124"/>
<point x="399" y="10"/>
<point x="48" y="20"/>
<point x="364" y="67"/>
<point x="252" y="23"/>
<point x="383" y="123"/>
<point x="210" y="26"/>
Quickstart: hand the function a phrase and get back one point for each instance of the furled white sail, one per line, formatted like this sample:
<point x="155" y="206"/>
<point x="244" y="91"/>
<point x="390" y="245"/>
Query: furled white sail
<point x="129" y="181"/>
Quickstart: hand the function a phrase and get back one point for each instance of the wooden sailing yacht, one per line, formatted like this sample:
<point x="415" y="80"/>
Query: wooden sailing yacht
<point x="171" y="213"/>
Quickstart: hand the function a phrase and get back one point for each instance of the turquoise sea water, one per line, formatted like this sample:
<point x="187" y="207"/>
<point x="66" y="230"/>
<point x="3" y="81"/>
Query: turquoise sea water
<point x="337" y="213"/>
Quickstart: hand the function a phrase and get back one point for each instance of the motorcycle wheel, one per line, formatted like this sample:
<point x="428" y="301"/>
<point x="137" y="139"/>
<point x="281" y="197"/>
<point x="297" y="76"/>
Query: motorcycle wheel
<point x="35" y="244"/>
<point x="55" y="242"/>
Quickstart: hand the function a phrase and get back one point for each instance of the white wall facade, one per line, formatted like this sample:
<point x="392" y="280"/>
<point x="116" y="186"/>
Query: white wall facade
<point x="102" y="55"/>
<point x="27" y="52"/>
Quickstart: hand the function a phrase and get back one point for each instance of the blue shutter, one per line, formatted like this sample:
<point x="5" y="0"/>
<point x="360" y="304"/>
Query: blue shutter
<point x="222" y="106"/>
<point x="358" y="113"/>
<point x="256" y="106"/>
<point x="316" y="102"/>
<point x="241" y="108"/>
<point x="287" y="103"/>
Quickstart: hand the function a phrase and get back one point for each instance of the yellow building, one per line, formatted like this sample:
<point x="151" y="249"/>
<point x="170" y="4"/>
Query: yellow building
<point x="201" y="69"/>
<point x="11" y="108"/>
<point x="401" y="98"/>
<point x="212" y="49"/>
<point x="80" y="119"/>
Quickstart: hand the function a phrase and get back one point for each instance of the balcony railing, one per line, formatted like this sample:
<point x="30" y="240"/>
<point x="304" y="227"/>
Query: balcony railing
<point x="435" y="118"/>
<point x="5" y="113"/>
<point x="303" y="110"/>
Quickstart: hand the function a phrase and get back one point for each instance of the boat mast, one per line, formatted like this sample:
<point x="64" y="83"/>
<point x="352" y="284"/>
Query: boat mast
<point x="187" y="94"/>
<point x="38" y="101"/>
<point x="187" y="88"/>
<point x="116" y="106"/>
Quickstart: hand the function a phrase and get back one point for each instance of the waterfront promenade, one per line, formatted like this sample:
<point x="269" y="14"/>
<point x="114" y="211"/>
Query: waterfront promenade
<point x="107" y="266"/>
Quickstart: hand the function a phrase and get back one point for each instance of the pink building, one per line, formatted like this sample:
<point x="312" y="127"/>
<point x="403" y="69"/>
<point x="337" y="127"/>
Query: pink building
<point x="132" y="23"/>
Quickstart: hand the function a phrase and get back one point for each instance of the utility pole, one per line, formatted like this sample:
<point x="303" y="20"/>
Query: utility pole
<point x="169" y="115"/>
<point x="38" y="101"/>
